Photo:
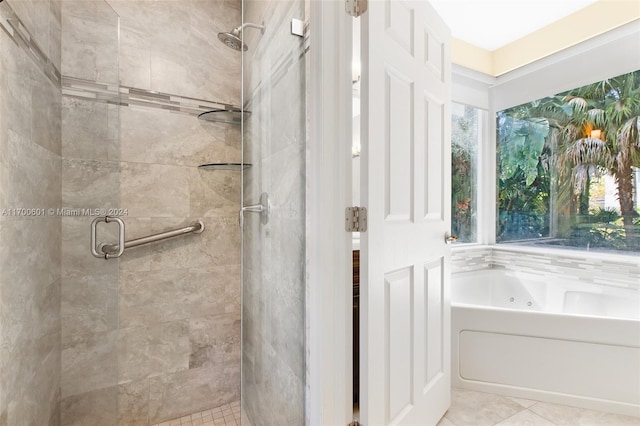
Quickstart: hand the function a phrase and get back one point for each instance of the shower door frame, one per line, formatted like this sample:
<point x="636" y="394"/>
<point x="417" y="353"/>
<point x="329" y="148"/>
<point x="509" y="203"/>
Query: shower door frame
<point x="329" y="290"/>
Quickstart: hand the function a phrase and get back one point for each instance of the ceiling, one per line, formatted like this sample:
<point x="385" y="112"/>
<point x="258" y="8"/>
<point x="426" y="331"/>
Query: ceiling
<point x="492" y="24"/>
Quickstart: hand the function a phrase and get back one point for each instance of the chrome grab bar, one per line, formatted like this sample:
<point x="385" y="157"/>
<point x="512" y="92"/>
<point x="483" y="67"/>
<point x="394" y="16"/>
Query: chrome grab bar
<point x="116" y="250"/>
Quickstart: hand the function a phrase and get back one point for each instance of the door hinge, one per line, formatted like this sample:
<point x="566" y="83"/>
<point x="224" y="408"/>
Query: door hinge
<point x="355" y="8"/>
<point x="355" y="219"/>
<point x="354" y="423"/>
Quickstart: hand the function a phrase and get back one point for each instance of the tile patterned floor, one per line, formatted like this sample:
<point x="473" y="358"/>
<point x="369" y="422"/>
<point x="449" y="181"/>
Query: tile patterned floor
<point x="226" y="415"/>
<point x="470" y="408"/>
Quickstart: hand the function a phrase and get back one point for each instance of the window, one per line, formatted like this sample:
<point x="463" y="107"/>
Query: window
<point x="568" y="168"/>
<point x="466" y="131"/>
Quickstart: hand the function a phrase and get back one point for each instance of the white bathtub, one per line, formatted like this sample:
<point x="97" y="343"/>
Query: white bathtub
<point x="531" y="336"/>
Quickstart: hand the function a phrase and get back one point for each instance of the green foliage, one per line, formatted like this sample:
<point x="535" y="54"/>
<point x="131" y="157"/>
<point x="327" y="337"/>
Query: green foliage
<point x="551" y="139"/>
<point x="523" y="209"/>
<point x="464" y="140"/>
<point x="600" y="215"/>
<point x="520" y="145"/>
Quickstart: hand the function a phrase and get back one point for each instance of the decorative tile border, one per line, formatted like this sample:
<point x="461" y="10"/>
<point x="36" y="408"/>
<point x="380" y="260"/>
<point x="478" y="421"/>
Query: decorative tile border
<point x="16" y="30"/>
<point x="125" y="96"/>
<point x="470" y="259"/>
<point x="96" y="91"/>
<point x="622" y="271"/>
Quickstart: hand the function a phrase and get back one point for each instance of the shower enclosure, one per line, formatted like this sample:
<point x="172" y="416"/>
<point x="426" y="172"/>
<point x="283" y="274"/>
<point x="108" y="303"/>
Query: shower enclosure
<point x="135" y="117"/>
<point x="273" y="297"/>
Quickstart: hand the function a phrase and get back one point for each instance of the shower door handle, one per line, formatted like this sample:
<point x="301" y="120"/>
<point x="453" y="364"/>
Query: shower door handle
<point x="264" y="208"/>
<point x="94" y="237"/>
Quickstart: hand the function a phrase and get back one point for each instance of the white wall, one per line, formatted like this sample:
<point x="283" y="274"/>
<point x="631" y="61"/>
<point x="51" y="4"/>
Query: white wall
<point x="609" y="55"/>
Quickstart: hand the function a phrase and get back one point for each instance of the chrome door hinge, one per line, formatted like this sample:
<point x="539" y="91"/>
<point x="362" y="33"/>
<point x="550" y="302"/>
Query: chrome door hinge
<point x="355" y="8"/>
<point x="355" y="219"/>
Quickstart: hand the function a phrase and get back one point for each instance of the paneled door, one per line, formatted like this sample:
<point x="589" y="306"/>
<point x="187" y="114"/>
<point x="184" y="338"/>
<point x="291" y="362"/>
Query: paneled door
<point x="405" y="307"/>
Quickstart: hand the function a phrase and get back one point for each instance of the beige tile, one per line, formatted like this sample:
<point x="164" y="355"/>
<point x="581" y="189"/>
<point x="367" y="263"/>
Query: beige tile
<point x="135" y="58"/>
<point x="46" y="104"/>
<point x="27" y="263"/>
<point x="96" y="408"/>
<point x="133" y="403"/>
<point x="215" y="342"/>
<point x="55" y="33"/>
<point x="214" y="193"/>
<point x="89" y="305"/>
<point x="157" y="296"/>
<point x="88" y="9"/>
<point x="85" y="131"/>
<point x="29" y="176"/>
<point x="153" y="350"/>
<point x="153" y="297"/>
<point x="526" y="403"/>
<point x="154" y="190"/>
<point x="562" y="415"/>
<point x="192" y="391"/>
<point x="36" y="16"/>
<point x="89" y="184"/>
<point x="89" y="363"/>
<point x="219" y="244"/>
<point x="15" y="86"/>
<point x="478" y="409"/>
<point x="170" y="71"/>
<point x="89" y="46"/>
<point x="525" y="418"/>
<point x="157" y="136"/>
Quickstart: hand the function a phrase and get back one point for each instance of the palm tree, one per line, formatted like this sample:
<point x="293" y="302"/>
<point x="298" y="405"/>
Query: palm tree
<point x="602" y="133"/>
<point x="591" y="130"/>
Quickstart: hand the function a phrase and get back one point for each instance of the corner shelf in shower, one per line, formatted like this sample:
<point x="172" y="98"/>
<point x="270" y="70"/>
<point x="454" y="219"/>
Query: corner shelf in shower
<point x="228" y="116"/>
<point x="225" y="166"/>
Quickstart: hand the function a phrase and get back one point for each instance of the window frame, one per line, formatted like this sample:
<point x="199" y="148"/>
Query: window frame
<point x="471" y="88"/>
<point x="548" y="76"/>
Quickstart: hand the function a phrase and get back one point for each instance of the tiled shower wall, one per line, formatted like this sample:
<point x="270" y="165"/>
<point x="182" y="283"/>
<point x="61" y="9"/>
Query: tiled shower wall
<point x="274" y="257"/>
<point x="620" y="271"/>
<point x="156" y="334"/>
<point x="29" y="242"/>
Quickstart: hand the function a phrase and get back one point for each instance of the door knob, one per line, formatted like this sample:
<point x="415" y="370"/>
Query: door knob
<point x="448" y="238"/>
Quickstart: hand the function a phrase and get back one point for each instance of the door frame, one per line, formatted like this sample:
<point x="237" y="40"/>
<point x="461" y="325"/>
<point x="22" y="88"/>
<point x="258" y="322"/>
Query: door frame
<point x="328" y="395"/>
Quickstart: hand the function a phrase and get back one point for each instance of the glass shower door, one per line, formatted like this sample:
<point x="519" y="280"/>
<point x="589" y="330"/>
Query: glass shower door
<point x="273" y="321"/>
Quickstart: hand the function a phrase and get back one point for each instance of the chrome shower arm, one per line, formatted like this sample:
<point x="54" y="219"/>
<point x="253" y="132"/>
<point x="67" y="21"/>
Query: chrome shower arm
<point x="249" y="25"/>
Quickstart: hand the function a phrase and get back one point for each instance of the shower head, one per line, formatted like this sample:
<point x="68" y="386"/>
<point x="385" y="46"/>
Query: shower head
<point x="233" y="39"/>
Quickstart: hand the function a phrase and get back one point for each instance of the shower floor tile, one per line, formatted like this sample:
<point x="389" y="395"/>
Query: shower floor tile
<point x="225" y="415"/>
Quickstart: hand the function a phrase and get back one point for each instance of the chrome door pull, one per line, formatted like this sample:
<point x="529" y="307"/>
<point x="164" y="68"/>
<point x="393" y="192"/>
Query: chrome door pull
<point x="94" y="237"/>
<point x="264" y="208"/>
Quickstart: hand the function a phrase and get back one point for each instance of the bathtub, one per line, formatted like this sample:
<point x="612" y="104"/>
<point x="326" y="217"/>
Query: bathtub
<point x="549" y="339"/>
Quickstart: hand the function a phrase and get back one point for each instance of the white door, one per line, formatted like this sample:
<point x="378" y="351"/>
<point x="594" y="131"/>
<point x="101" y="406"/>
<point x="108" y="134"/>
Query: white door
<point x="405" y="309"/>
